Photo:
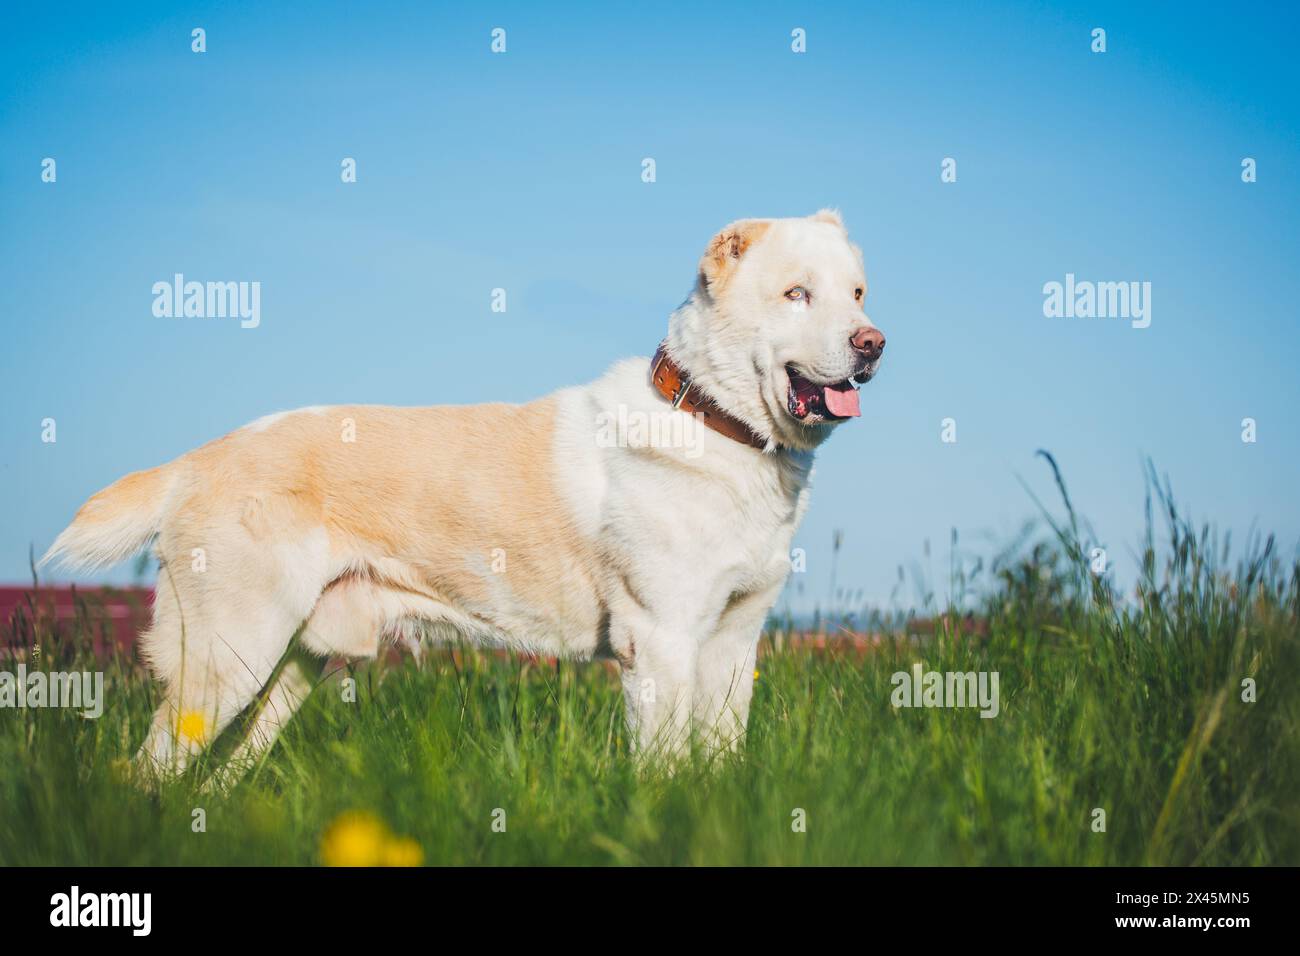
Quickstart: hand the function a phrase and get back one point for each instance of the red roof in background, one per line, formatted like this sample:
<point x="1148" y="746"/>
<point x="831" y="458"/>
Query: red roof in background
<point x="115" y="618"/>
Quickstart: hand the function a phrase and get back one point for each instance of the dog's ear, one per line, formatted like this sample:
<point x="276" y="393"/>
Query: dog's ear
<point x="829" y="216"/>
<point x="726" y="248"/>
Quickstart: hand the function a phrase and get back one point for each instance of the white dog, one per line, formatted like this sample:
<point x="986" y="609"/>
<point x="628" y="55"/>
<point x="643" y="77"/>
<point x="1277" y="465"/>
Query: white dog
<point x="647" y="516"/>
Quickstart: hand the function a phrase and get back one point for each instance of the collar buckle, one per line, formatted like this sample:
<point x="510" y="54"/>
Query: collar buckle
<point x="683" y="383"/>
<point x="682" y="388"/>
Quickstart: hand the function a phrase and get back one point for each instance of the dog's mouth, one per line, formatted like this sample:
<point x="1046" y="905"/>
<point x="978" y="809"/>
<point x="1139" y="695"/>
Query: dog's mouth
<point x="808" y="401"/>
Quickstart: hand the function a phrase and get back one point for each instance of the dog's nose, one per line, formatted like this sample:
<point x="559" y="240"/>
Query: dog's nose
<point x="868" y="340"/>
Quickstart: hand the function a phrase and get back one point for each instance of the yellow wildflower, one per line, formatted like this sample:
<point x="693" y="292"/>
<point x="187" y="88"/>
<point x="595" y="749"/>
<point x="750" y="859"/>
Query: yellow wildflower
<point x="354" y="839"/>
<point x="357" y="838"/>
<point x="193" y="726"/>
<point x="403" y="851"/>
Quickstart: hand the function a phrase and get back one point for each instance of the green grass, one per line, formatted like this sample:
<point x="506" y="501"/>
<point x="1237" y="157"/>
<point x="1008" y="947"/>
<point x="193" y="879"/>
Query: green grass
<point x="1131" y="706"/>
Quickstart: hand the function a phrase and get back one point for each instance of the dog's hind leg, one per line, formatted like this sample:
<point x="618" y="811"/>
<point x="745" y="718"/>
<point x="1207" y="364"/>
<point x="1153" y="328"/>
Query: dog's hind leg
<point x="217" y="638"/>
<point x="208" y="683"/>
<point x="268" y="714"/>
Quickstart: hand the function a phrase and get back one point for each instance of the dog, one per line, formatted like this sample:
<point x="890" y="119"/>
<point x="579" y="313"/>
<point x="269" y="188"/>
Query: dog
<point x="646" y="517"/>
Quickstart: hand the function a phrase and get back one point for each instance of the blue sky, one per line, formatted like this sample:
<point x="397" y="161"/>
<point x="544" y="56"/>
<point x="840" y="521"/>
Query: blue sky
<point x="522" y="170"/>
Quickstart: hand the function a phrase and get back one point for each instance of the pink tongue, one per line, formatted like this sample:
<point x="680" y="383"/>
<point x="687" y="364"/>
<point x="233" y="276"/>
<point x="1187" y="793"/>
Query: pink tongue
<point x="842" y="403"/>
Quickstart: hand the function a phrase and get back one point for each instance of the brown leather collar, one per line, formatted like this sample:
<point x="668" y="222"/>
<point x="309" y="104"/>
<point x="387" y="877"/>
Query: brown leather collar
<point x="672" y="384"/>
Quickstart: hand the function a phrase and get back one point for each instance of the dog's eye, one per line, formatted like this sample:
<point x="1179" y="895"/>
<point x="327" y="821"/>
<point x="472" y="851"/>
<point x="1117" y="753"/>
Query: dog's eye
<point x="857" y="293"/>
<point x="797" y="294"/>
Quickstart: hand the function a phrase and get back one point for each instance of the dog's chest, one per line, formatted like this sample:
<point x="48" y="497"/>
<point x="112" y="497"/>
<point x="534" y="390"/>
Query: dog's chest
<point x="698" y="537"/>
<point x="742" y="527"/>
<point x="681" y="527"/>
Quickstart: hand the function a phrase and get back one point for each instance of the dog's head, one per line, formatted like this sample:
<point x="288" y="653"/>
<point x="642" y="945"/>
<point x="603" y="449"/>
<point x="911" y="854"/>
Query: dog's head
<point x="775" y="330"/>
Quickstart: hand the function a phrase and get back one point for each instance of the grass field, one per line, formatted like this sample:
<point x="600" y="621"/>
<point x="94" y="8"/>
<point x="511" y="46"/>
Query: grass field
<point x="1131" y="706"/>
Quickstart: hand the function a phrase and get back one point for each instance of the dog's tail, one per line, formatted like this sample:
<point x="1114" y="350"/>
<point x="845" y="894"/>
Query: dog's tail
<point x="116" y="522"/>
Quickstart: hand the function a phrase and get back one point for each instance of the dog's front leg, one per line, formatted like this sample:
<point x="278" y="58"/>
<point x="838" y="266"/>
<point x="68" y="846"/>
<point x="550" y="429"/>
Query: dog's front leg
<point x="658" y="670"/>
<point x="724" y="672"/>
